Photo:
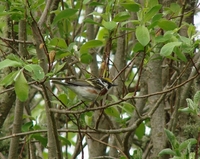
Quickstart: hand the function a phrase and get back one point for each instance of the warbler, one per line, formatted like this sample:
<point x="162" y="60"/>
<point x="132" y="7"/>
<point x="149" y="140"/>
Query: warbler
<point x="90" y="89"/>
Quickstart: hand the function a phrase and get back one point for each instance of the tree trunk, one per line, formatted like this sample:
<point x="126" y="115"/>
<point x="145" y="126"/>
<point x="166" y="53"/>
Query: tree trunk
<point x="158" y="118"/>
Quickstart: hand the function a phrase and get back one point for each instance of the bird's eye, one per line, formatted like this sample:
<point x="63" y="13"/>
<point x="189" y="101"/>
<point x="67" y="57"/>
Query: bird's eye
<point x="104" y="84"/>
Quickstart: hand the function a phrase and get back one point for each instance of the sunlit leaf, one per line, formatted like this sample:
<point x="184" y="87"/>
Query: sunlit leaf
<point x="133" y="7"/>
<point x="58" y="67"/>
<point x="152" y="12"/>
<point x="86" y="1"/>
<point x="167" y="151"/>
<point x="187" y="142"/>
<point x="142" y="35"/>
<point x="9" y="63"/>
<point x="90" y="44"/>
<point x="110" y="25"/>
<point x="171" y="137"/>
<point x="129" y="95"/>
<point x="168" y="48"/>
<point x="174" y="7"/>
<point x="167" y="24"/>
<point x="185" y="110"/>
<point x="102" y="34"/>
<point x="14" y="57"/>
<point x="91" y="21"/>
<point x="36" y="70"/>
<point x="180" y="54"/>
<point x="122" y="16"/>
<point x="128" y="108"/>
<point x="9" y="79"/>
<point x="58" y="42"/>
<point x="191" y="30"/>
<point x="197" y="97"/>
<point x="68" y="12"/>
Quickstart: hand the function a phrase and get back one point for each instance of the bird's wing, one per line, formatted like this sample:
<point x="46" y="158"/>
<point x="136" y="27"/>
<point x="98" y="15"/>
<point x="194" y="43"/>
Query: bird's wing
<point x="80" y="83"/>
<point x="74" y="83"/>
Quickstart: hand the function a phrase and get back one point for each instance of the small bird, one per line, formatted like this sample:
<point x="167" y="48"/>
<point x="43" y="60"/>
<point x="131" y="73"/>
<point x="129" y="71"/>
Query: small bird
<point x="90" y="89"/>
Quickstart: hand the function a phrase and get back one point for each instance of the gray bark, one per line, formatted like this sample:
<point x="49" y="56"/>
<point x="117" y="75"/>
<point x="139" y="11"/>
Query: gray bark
<point x="158" y="118"/>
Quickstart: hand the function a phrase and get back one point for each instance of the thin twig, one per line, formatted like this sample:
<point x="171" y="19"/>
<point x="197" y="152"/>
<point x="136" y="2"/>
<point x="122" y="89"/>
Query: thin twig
<point x="16" y="40"/>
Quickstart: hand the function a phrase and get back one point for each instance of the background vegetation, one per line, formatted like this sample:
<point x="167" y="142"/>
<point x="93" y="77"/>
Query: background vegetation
<point x="148" y="48"/>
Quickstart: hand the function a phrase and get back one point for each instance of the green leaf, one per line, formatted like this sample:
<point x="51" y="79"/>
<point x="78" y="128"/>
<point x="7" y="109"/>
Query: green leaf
<point x="9" y="79"/>
<point x="191" y="31"/>
<point x="197" y="97"/>
<point x="171" y="137"/>
<point x="186" y="40"/>
<point x="21" y="87"/>
<point x="65" y="141"/>
<point x="140" y="131"/>
<point x="129" y="95"/>
<point x="9" y="63"/>
<point x="88" y="118"/>
<point x="103" y="32"/>
<point x="152" y="12"/>
<point x="59" y="67"/>
<point x="138" y="47"/>
<point x="68" y="12"/>
<point x="185" y="110"/>
<point x="157" y="17"/>
<point x="27" y="126"/>
<point x="180" y="54"/>
<point x="185" y="143"/>
<point x="58" y="42"/>
<point x="128" y="108"/>
<point x="86" y="1"/>
<point x="90" y="44"/>
<point x="86" y="58"/>
<point x="14" y="57"/>
<point x="190" y="103"/>
<point x="95" y="4"/>
<point x="110" y="25"/>
<point x="63" y="98"/>
<point x="36" y="70"/>
<point x="142" y="35"/>
<point x="91" y="21"/>
<point x="25" y="116"/>
<point x="167" y="25"/>
<point x="167" y="151"/>
<point x="168" y="48"/>
<point x="161" y="39"/>
<point x="41" y="139"/>
<point x="122" y="16"/>
<point x="174" y="7"/>
<point x="114" y="98"/>
<point x="112" y="111"/>
<point x="133" y="7"/>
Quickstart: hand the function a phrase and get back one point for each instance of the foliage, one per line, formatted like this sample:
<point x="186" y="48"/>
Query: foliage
<point x="81" y="39"/>
<point x="179" y="150"/>
<point x="192" y="105"/>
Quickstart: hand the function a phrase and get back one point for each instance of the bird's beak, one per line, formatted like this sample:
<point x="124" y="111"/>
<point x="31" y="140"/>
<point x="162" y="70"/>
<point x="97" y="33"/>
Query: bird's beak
<point x="114" y="85"/>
